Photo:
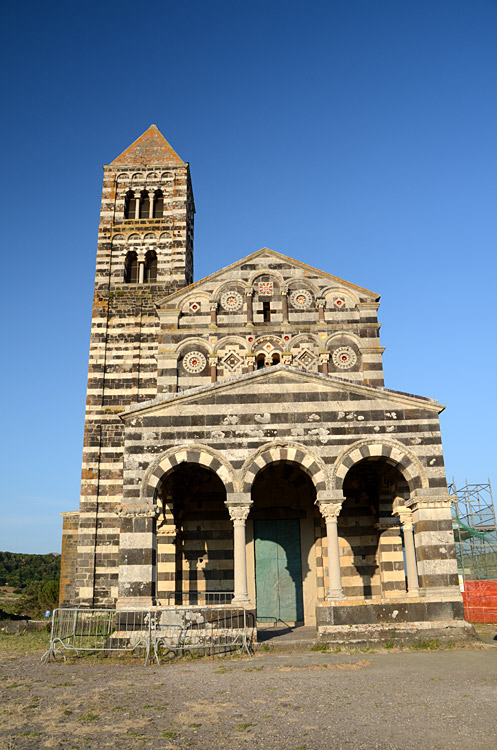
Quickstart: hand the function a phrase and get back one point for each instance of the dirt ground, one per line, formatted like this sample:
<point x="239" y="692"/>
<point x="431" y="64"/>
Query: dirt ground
<point x="383" y="700"/>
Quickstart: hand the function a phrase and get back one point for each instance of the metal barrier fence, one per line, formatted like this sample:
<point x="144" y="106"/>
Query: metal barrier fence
<point x="209" y="629"/>
<point x="174" y="629"/>
<point x="80" y="630"/>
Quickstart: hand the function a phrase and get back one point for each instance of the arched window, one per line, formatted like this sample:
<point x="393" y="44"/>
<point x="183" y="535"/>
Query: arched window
<point x="158" y="204"/>
<point x="260" y="361"/>
<point x="129" y="205"/>
<point x="150" y="276"/>
<point x="131" y="268"/>
<point x="144" y="205"/>
<point x="276" y="359"/>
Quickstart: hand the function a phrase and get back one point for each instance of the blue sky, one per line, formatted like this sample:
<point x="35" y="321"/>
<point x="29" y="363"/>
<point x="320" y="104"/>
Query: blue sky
<point x="356" y="135"/>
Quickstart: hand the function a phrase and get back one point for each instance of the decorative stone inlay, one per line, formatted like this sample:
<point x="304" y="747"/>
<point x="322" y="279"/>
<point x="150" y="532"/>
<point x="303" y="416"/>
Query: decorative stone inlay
<point x="301" y="299"/>
<point x="194" y="362"/>
<point x="137" y="511"/>
<point x="232" y="301"/>
<point x="194" y="306"/>
<point x="339" y="302"/>
<point x="305" y="359"/>
<point x="344" y="357"/>
<point x="232" y="361"/>
<point x="265" y="288"/>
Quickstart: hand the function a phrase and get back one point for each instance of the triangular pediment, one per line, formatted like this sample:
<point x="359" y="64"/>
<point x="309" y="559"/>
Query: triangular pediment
<point x="151" y="148"/>
<point x="275" y="262"/>
<point x="277" y="378"/>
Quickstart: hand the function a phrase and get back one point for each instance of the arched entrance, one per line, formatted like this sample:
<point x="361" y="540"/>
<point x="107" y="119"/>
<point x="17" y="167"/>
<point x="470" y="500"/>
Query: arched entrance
<point x="194" y="536"/>
<point x="372" y="558"/>
<point x="281" y="536"/>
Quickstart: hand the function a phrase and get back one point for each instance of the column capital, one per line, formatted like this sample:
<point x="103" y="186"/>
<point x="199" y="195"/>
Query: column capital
<point x="238" y="512"/>
<point x="213" y="305"/>
<point x="330" y="510"/>
<point x="320" y="301"/>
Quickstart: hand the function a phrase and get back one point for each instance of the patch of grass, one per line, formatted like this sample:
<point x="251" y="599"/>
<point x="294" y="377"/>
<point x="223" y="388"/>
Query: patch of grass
<point x="266" y="647"/>
<point x="323" y="647"/>
<point x="33" y="705"/>
<point x="388" y="644"/>
<point x="194" y="726"/>
<point x="169" y="735"/>
<point x="89" y="716"/>
<point x="425" y="644"/>
<point x="67" y="712"/>
<point x="243" y="727"/>
<point x="24" y="643"/>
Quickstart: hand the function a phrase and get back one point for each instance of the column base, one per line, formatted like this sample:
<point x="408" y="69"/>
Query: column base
<point x="335" y="595"/>
<point x="240" y="599"/>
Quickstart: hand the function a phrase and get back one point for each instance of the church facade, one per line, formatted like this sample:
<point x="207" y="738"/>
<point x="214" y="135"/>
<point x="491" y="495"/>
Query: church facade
<point x="239" y="443"/>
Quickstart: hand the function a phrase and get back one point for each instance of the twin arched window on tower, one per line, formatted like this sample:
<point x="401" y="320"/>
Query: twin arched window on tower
<point x="144" y="205"/>
<point x="140" y="272"/>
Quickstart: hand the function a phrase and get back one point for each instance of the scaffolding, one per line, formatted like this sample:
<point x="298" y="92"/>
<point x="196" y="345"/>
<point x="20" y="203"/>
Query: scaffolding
<point x="475" y="531"/>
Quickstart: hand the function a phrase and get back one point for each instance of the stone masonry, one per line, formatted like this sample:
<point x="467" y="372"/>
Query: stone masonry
<point x="239" y="438"/>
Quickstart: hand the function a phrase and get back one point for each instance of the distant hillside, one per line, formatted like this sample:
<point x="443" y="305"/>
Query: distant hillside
<point x="19" y="570"/>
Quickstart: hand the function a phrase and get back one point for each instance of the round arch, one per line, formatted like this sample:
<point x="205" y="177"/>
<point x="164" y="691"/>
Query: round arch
<point x="391" y="451"/>
<point x="195" y="454"/>
<point x="286" y="453"/>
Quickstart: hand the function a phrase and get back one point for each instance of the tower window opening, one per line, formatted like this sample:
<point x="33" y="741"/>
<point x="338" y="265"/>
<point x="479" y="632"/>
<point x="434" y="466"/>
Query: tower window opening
<point x="131" y="268"/>
<point x="266" y="311"/>
<point x="158" y="205"/>
<point x="260" y="361"/>
<point x="129" y="205"/>
<point x="144" y="205"/>
<point x="276" y="359"/>
<point x="150" y="275"/>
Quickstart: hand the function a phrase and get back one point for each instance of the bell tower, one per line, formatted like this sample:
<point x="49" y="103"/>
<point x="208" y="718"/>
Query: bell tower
<point x="145" y="252"/>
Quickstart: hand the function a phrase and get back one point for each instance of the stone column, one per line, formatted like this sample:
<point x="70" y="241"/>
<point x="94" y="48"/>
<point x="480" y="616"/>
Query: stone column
<point x="330" y="511"/>
<point x="141" y="271"/>
<point x="213" y="309"/>
<point x="213" y="367"/>
<point x="284" y="304"/>
<point x="137" y="207"/>
<point x="411" y="565"/>
<point x="320" y="301"/>
<point x="250" y="358"/>
<point x="151" y="199"/>
<point x="238" y="514"/>
<point x="323" y="362"/>
<point x="250" y="316"/>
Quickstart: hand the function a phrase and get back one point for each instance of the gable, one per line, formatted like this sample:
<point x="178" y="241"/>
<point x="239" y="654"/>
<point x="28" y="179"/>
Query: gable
<point x="284" y="386"/>
<point x="284" y="269"/>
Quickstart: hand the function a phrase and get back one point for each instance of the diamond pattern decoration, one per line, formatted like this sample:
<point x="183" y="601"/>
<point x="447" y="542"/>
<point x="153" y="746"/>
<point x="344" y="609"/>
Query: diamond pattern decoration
<point x="232" y="361"/>
<point x="305" y="359"/>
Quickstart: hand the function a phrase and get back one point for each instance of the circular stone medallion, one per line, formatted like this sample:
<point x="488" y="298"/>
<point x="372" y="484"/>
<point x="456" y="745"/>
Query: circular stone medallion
<point x="301" y="299"/>
<point x="344" y="357"/>
<point x="232" y="301"/>
<point x="194" y="362"/>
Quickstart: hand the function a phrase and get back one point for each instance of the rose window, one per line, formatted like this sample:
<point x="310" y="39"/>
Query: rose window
<point x="232" y="301"/>
<point x="344" y="357"/>
<point x="194" y="362"/>
<point x="301" y="299"/>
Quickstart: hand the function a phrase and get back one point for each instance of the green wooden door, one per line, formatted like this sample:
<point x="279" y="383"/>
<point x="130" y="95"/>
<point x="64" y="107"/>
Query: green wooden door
<point x="278" y="570"/>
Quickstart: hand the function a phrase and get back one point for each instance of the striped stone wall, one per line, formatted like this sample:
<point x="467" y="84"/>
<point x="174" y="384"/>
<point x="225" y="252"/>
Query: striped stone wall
<point x="123" y="352"/>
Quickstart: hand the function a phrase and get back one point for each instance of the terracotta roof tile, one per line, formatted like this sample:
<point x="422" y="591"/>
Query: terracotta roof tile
<point x="149" y="149"/>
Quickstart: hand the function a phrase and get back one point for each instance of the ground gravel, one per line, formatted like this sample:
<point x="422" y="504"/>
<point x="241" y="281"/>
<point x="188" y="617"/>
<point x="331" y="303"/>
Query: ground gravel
<point x="387" y="700"/>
